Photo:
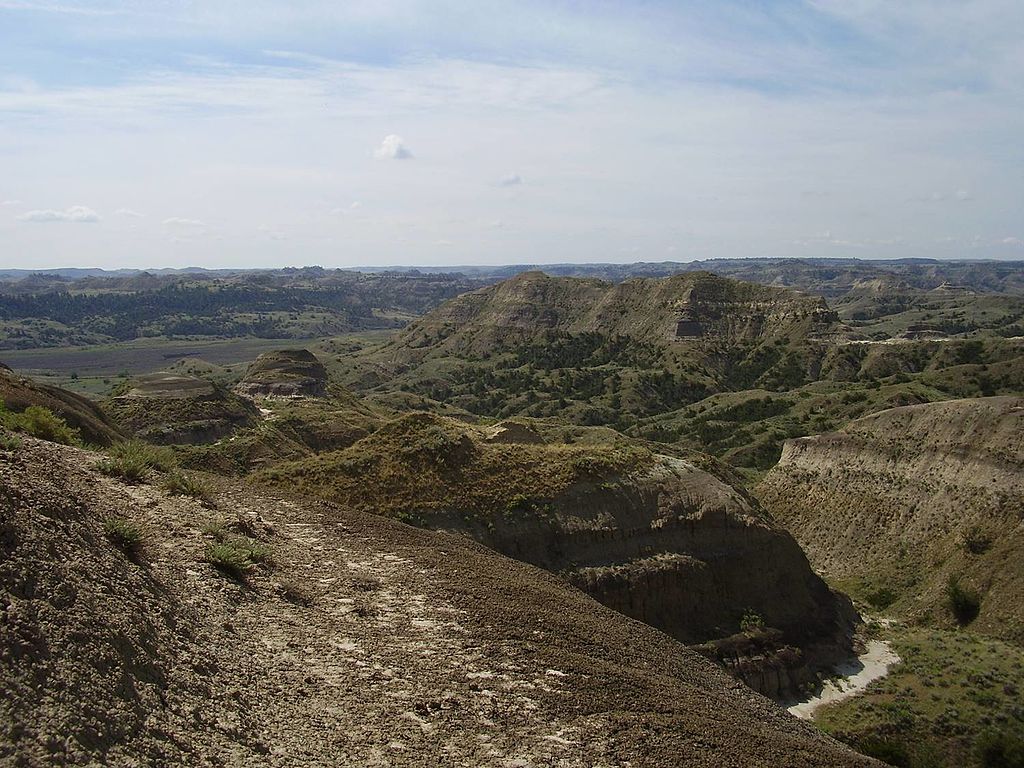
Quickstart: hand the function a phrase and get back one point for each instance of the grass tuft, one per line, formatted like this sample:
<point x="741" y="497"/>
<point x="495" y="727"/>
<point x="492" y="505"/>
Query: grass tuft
<point x="133" y="460"/>
<point x="182" y="484"/>
<point x="124" y="534"/>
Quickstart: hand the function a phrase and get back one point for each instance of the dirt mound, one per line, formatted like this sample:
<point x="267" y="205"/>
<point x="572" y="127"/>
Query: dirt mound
<point x="174" y="408"/>
<point x="18" y="393"/>
<point x="652" y="536"/>
<point x="284" y="373"/>
<point x="366" y="642"/>
<point x="897" y="503"/>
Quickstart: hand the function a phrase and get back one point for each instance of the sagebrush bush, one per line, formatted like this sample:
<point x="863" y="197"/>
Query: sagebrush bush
<point x="998" y="749"/>
<point x="233" y="554"/>
<point x="40" y="422"/>
<point x="9" y="442"/>
<point x="124" y="534"/>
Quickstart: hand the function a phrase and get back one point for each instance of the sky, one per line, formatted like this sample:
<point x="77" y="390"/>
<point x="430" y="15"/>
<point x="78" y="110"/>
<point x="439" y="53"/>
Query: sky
<point x="231" y="133"/>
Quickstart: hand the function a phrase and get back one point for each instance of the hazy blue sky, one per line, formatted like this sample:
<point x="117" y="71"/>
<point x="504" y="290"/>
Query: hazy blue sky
<point x="220" y="133"/>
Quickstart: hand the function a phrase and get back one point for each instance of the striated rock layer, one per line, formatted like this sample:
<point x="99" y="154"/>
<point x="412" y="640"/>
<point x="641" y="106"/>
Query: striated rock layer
<point x="284" y="373"/>
<point x="173" y="408"/>
<point x="898" y="502"/>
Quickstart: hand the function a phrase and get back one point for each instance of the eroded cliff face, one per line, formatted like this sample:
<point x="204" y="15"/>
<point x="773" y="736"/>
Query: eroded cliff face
<point x="178" y="409"/>
<point x="898" y="502"/>
<point x="692" y="307"/>
<point x="649" y="535"/>
<point x="680" y="550"/>
<point x="284" y="373"/>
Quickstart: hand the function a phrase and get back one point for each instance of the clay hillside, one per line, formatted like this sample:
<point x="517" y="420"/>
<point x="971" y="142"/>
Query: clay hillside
<point x="338" y="638"/>
<point x="918" y="510"/>
<point x="651" y="535"/>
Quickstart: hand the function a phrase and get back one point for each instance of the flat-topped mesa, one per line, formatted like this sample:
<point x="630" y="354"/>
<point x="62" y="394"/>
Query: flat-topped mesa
<point x="284" y="373"/>
<point x="176" y="409"/>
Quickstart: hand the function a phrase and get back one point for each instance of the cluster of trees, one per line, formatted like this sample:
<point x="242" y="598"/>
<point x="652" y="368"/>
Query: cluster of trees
<point x="233" y="308"/>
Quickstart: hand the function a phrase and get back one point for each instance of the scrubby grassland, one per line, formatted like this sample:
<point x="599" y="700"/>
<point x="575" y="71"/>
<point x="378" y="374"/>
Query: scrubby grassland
<point x="423" y="463"/>
<point x="954" y="699"/>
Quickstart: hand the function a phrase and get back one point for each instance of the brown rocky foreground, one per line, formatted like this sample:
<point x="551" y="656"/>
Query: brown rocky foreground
<point x="365" y="642"/>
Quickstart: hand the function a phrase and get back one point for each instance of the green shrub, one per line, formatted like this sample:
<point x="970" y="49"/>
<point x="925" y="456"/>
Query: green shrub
<point x="234" y="555"/>
<point x="964" y="602"/>
<point x="9" y="442"/>
<point x="181" y="484"/>
<point x="40" y="422"/>
<point x="124" y="534"/>
<point x="997" y="749"/>
<point x="751" y="622"/>
<point x="133" y="460"/>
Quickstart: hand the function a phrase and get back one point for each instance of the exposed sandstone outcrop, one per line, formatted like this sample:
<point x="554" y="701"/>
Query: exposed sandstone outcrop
<point x="284" y="373"/>
<point x="171" y="408"/>
<point x="897" y="502"/>
<point x="368" y="643"/>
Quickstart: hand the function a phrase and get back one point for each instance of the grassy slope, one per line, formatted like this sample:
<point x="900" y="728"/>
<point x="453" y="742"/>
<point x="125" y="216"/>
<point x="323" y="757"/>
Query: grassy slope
<point x="931" y="710"/>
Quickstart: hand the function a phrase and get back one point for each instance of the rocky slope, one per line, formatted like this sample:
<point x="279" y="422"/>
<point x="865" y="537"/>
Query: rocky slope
<point x="650" y="535"/>
<point x="284" y="373"/>
<point x="18" y="393"/>
<point x="364" y="642"/>
<point x="896" y="503"/>
<point x="174" y="408"/>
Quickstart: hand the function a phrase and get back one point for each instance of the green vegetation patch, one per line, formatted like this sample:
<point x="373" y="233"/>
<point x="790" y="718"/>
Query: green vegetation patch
<point x="956" y="700"/>
<point x="40" y="422"/>
<point x="423" y="463"/>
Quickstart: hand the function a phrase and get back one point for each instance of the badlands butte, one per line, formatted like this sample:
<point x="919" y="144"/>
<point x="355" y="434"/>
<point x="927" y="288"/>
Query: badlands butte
<point x="546" y="520"/>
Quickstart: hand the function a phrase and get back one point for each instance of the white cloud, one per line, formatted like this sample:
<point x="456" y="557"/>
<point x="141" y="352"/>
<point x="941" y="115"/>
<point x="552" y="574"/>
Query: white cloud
<point x="10" y="202"/>
<point x="179" y="223"/>
<point x="510" y="180"/>
<point x="129" y="212"/>
<point x="76" y="213"/>
<point x="963" y="195"/>
<point x="1012" y="241"/>
<point x="392" y="148"/>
